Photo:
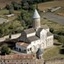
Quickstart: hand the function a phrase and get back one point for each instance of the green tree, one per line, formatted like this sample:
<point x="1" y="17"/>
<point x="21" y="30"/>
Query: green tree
<point x="7" y="6"/>
<point x="16" y="6"/>
<point x="1" y="32"/>
<point x="61" y="39"/>
<point x="27" y="17"/>
<point x="51" y="30"/>
<point x="5" y="50"/>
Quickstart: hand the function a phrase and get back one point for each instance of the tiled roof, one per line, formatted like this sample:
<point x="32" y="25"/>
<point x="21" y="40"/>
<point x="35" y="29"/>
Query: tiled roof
<point x="28" y="31"/>
<point x="40" y="51"/>
<point x="33" y="38"/>
<point x="38" y="32"/>
<point x="40" y="29"/>
<point x="24" y="44"/>
<point x="49" y="34"/>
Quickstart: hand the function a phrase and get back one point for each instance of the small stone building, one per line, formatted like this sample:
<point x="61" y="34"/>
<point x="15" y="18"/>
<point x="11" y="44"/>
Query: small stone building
<point x="36" y="37"/>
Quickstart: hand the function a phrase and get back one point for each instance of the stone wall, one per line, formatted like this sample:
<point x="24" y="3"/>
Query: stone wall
<point x="55" y="61"/>
<point x="13" y="36"/>
<point x="31" y="61"/>
<point x="20" y="59"/>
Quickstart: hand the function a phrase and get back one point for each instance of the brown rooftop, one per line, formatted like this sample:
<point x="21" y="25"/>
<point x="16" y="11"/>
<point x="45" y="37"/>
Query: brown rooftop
<point x="33" y="38"/>
<point x="24" y="44"/>
<point x="38" y="32"/>
<point x="49" y="34"/>
<point x="30" y="30"/>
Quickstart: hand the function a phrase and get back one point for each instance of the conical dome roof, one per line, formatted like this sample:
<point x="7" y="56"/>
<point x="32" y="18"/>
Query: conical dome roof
<point x="36" y="14"/>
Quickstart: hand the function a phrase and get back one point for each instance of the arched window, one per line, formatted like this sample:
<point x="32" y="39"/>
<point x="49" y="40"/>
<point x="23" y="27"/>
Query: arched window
<point x="30" y="49"/>
<point x="19" y="50"/>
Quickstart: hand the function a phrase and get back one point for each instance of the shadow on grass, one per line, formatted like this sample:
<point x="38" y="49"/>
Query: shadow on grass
<point x="62" y="50"/>
<point x="57" y="44"/>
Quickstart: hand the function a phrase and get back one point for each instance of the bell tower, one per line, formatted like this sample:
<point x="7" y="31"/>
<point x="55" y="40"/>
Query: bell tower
<point x="36" y="20"/>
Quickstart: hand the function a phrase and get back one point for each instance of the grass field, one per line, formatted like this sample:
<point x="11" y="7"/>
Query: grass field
<point x="53" y="53"/>
<point x="3" y="12"/>
<point x="47" y="5"/>
<point x="4" y="2"/>
<point x="60" y="12"/>
<point x="53" y="25"/>
<point x="43" y="6"/>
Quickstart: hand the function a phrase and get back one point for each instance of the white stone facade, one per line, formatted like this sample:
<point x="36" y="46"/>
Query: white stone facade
<point x="33" y="47"/>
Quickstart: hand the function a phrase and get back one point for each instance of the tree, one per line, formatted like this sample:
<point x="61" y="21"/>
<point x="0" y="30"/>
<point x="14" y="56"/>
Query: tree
<point x="31" y="7"/>
<point x="16" y="6"/>
<point x="25" y="6"/>
<point x="22" y="2"/>
<point x="30" y="2"/>
<point x="51" y="30"/>
<point x="27" y="17"/>
<point x="5" y="50"/>
<point x="11" y="9"/>
<point x="61" y="39"/>
<point x="7" y="6"/>
<point x="1" y="32"/>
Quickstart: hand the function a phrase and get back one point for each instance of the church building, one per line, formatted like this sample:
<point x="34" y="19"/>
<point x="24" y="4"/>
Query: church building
<point x="35" y="38"/>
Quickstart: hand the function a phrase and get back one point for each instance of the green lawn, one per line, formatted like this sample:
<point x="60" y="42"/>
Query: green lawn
<point x="53" y="25"/>
<point x="46" y="5"/>
<point x="4" y="11"/>
<point x="53" y="53"/>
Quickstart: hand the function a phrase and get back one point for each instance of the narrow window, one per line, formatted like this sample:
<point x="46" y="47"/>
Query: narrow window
<point x="30" y="48"/>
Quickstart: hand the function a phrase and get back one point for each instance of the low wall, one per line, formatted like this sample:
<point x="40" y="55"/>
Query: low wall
<point x="55" y="61"/>
<point x="13" y="36"/>
<point x="20" y="59"/>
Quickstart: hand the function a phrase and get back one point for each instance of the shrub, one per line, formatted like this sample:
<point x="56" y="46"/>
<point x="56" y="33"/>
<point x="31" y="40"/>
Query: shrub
<point x="51" y="30"/>
<point x="5" y="50"/>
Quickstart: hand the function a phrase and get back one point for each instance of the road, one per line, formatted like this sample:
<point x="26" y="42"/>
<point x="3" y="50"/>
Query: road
<point x="53" y="17"/>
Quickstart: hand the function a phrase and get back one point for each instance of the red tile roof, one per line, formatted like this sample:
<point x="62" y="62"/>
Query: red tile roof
<point x="24" y="44"/>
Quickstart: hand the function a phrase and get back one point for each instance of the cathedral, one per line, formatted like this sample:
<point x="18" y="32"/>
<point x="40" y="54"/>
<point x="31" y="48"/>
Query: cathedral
<point x="35" y="38"/>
